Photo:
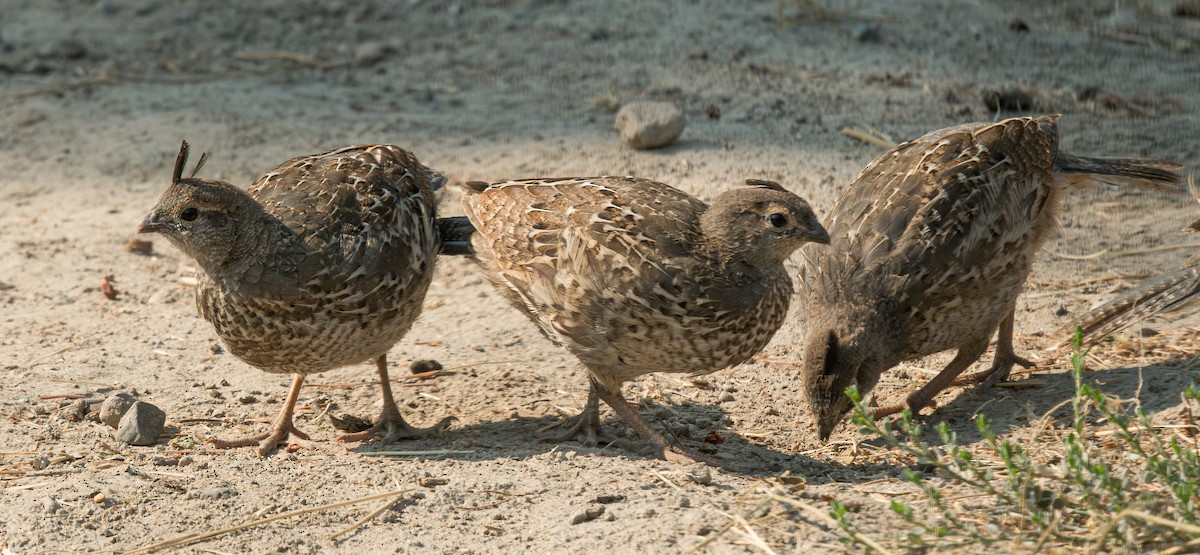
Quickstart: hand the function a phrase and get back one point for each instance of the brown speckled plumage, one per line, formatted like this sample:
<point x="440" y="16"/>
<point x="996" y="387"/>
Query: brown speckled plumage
<point x="323" y="262"/>
<point x="634" y="276"/>
<point x="932" y="243"/>
<point x="1168" y="292"/>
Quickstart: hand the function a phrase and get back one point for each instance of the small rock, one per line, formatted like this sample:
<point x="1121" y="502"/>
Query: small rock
<point x="77" y="411"/>
<point x="649" y="513"/>
<point x="217" y="493"/>
<point x="67" y="49"/>
<point x="1147" y="332"/>
<point x="349" y="423"/>
<point x="247" y="399"/>
<point x="645" y="125"/>
<point x="185" y="460"/>
<point x="606" y="499"/>
<point x="1008" y="100"/>
<point x="422" y="366"/>
<point x="51" y="505"/>
<point x="684" y="502"/>
<point x="866" y="32"/>
<point x="142" y="424"/>
<point x="371" y="52"/>
<point x="1018" y="25"/>
<point x="1061" y="311"/>
<point x="591" y="513"/>
<point x="114" y="407"/>
<point x="140" y="246"/>
<point x="700" y="474"/>
<point x="1188" y="8"/>
<point x="428" y="482"/>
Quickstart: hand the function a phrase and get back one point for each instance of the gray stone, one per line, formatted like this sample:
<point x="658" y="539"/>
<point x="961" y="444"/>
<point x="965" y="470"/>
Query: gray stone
<point x="142" y="424"/>
<point x="219" y="492"/>
<point x="700" y="474"/>
<point x="591" y="513"/>
<point x="645" y="125"/>
<point x="114" y="407"/>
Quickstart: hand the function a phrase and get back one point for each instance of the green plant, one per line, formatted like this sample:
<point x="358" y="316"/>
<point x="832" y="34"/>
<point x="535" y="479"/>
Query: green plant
<point x="1137" y="489"/>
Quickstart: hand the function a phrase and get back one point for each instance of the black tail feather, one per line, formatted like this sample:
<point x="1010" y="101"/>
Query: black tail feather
<point x="455" y="235"/>
<point x="1145" y="172"/>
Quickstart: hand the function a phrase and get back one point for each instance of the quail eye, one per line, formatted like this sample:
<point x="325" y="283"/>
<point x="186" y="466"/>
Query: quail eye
<point x="189" y="214"/>
<point x="778" y="220"/>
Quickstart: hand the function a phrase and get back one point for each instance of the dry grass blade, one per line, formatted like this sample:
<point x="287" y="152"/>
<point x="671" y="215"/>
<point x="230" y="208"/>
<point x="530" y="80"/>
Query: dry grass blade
<point x="289" y="56"/>
<point x="750" y="535"/>
<point x="435" y="453"/>
<point x="1091" y="256"/>
<point x="1151" y="250"/>
<point x="666" y="480"/>
<point x="385" y="506"/>
<point x="870" y="137"/>
<point x="1147" y="517"/>
<point x="728" y="526"/>
<point x="43" y="358"/>
<point x="188" y="539"/>
<point x="829" y="521"/>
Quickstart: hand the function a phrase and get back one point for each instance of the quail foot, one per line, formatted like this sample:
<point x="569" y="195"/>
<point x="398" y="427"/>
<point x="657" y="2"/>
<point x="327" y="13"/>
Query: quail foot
<point x="932" y="243"/>
<point x="322" y="263"/>
<point x="634" y="276"/>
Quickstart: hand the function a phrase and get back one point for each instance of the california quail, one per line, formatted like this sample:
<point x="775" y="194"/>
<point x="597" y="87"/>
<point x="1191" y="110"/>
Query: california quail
<point x="322" y="263"/>
<point x="932" y="243"/>
<point x="635" y="276"/>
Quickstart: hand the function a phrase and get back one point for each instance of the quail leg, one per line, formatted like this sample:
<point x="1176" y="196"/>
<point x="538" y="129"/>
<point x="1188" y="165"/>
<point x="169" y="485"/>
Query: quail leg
<point x="391" y="425"/>
<point x="280" y="431"/>
<point x="1006" y="357"/>
<point x="921" y="398"/>
<point x="584" y="426"/>
<point x="670" y="452"/>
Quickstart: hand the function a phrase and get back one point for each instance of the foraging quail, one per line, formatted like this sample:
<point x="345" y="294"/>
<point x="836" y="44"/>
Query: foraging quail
<point x="1168" y="292"/>
<point x="635" y="276"/>
<point x="932" y="243"/>
<point x="322" y="263"/>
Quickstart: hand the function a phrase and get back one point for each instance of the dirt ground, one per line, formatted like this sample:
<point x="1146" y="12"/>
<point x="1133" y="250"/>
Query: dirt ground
<point x="98" y="94"/>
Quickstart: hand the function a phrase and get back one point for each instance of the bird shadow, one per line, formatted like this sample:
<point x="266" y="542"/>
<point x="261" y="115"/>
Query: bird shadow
<point x="1154" y="387"/>
<point x="517" y="438"/>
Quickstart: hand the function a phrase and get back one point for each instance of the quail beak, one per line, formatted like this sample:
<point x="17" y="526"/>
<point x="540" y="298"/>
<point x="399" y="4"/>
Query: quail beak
<point x="828" y="421"/>
<point x="825" y="428"/>
<point x="151" y="224"/>
<point x="818" y="235"/>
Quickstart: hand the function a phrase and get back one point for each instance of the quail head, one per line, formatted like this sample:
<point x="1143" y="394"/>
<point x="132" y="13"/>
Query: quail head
<point x="322" y="263"/>
<point x="932" y="243"/>
<point x="634" y="276"/>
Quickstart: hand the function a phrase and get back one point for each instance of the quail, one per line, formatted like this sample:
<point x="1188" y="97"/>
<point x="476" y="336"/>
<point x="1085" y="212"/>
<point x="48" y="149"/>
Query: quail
<point x="322" y="263"/>
<point x="633" y="276"/>
<point x="932" y="243"/>
<point x="1171" y="291"/>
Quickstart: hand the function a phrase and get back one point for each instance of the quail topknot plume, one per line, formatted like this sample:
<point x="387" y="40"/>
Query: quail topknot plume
<point x="323" y="262"/>
<point x="634" y="276"/>
<point x="932" y="243"/>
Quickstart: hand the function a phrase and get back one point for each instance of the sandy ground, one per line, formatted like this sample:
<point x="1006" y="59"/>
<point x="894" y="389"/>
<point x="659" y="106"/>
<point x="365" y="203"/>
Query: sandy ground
<point x="97" y="96"/>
